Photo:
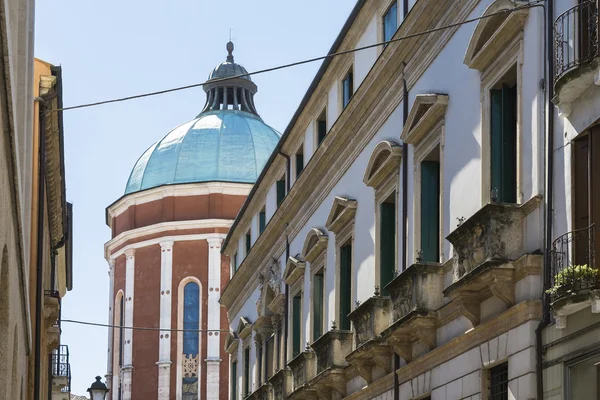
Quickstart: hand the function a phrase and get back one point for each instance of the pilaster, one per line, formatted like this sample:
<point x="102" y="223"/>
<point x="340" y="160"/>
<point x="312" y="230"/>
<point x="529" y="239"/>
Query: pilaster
<point x="111" y="299"/>
<point x="164" y="340"/>
<point x="213" y="358"/>
<point x="127" y="369"/>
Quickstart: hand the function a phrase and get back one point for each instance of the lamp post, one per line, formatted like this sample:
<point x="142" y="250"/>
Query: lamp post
<point x="97" y="390"/>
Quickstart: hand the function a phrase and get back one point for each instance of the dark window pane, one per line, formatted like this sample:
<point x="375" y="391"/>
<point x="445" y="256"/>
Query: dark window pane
<point x="499" y="382"/>
<point x="317" y="306"/>
<point x="280" y="192"/>
<point x="234" y="381"/>
<point x="345" y="286"/>
<point x="262" y="221"/>
<point x="296" y="319"/>
<point x="246" y="372"/>
<point x="248" y="243"/>
<point x="348" y="88"/>
<point x="387" y="244"/>
<point x="321" y="130"/>
<point x="430" y="211"/>
<point x="299" y="164"/>
<point x="503" y="132"/>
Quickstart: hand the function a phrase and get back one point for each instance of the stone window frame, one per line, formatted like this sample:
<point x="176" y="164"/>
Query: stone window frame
<point x="233" y="358"/>
<point x="314" y="250"/>
<point x="341" y="221"/>
<point x="485" y="377"/>
<point x="346" y="68"/>
<point x="247" y="345"/>
<point x="323" y="111"/>
<point x="512" y="57"/>
<point x="425" y="131"/>
<point x="316" y="267"/>
<point x="381" y="13"/>
<point x="572" y="362"/>
<point x="384" y="177"/>
<point x="180" y="301"/>
<point x="297" y="288"/>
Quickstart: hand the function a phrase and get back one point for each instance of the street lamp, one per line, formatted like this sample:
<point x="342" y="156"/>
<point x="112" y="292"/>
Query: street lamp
<point x="97" y="390"/>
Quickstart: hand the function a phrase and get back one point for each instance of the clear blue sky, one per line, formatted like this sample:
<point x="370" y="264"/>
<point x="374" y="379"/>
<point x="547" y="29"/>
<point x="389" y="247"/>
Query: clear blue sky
<point x="117" y="48"/>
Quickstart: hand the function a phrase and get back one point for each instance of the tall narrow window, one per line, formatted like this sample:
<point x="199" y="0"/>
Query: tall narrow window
<point x="347" y="88"/>
<point x="280" y="191"/>
<point x="387" y="241"/>
<point x="430" y="209"/>
<point x="259" y="363"/>
<point x="191" y="326"/>
<point x="390" y="22"/>
<point x="233" y="389"/>
<point x="121" y="341"/>
<point x="269" y="356"/>
<point x="235" y="262"/>
<point x="321" y="127"/>
<point x="345" y="285"/>
<point x="503" y="138"/>
<point x="299" y="161"/>
<point x="248" y="242"/>
<point x="317" y="298"/>
<point x="296" y="324"/>
<point x="262" y="221"/>
<point x="498" y="383"/>
<point x="246" y="372"/>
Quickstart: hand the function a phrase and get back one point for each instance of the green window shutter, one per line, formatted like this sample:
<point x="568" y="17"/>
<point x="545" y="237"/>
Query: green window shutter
<point x="321" y="130"/>
<point x="296" y="318"/>
<point x="430" y="210"/>
<point x="317" y="306"/>
<point x="234" y="381"/>
<point x="259" y="363"/>
<point x="280" y="192"/>
<point x="299" y="164"/>
<point x="345" y="286"/>
<point x="503" y="135"/>
<point x="262" y="221"/>
<point x="387" y="244"/>
<point x="509" y="144"/>
<point x="246" y="372"/>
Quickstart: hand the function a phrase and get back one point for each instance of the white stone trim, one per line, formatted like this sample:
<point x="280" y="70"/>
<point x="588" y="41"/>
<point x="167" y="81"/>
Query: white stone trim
<point x="213" y="348"/>
<point x="116" y="353"/>
<point x="188" y="189"/>
<point x="164" y="342"/>
<point x="179" y="373"/>
<point x="111" y="310"/>
<point x="164" y="227"/>
<point x="128" y="345"/>
<point x="152" y="242"/>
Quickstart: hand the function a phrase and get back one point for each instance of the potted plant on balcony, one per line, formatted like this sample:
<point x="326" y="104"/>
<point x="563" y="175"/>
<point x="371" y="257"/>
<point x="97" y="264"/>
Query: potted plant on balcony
<point x="572" y="279"/>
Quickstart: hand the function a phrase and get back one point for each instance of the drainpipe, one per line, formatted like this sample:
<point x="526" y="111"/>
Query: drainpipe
<point x="288" y="185"/>
<point x="39" y="293"/>
<point x="549" y="189"/>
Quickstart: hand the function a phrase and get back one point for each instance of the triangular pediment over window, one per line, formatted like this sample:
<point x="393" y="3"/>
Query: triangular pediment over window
<point x="294" y="269"/>
<point x="384" y="161"/>
<point x="314" y="244"/>
<point x="342" y="212"/>
<point x="231" y="343"/>
<point x="494" y="34"/>
<point x="244" y="328"/>
<point x="426" y="112"/>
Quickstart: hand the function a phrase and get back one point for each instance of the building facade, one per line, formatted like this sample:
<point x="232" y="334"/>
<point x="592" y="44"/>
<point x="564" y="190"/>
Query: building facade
<point x="404" y="215"/>
<point x="166" y="268"/>
<point x="35" y="219"/>
<point x="570" y="346"/>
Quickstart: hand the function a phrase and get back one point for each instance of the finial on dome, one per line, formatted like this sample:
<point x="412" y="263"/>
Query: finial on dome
<point x="230" y="51"/>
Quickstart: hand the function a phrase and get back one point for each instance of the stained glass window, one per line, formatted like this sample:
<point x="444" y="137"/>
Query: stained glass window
<point x="191" y="326"/>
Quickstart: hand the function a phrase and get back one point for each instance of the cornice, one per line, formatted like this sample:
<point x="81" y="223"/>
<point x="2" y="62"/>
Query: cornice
<point x="181" y="190"/>
<point x="163" y="227"/>
<point x="374" y="100"/>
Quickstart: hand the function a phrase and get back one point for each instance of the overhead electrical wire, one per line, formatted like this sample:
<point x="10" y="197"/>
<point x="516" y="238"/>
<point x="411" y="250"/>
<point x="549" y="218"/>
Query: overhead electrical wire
<point x="536" y="3"/>
<point x="139" y="328"/>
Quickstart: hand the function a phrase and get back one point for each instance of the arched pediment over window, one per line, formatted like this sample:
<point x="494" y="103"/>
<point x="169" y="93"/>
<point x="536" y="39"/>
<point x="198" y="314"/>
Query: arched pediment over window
<point x="492" y="35"/>
<point x="384" y="161"/>
<point x="314" y="244"/>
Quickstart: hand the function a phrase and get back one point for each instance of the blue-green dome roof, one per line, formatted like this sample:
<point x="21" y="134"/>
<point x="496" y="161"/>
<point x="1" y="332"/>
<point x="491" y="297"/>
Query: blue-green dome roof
<point x="222" y="146"/>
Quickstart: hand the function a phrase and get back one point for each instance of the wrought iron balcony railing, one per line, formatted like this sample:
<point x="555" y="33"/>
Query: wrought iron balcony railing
<point x="576" y="37"/>
<point x="573" y="258"/>
<point x="61" y="366"/>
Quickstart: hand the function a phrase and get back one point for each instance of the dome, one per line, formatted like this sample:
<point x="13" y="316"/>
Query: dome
<point x="222" y="145"/>
<point x="228" y="69"/>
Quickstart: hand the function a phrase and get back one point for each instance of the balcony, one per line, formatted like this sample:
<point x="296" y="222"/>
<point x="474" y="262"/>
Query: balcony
<point x="282" y="383"/>
<point x="304" y="368"/>
<point x="61" y="374"/>
<point x="574" y="281"/>
<point x="416" y="294"/>
<point x="576" y="53"/>
<point x="370" y="319"/>
<point x="331" y="351"/>
<point x="51" y="311"/>
<point x="264" y="392"/>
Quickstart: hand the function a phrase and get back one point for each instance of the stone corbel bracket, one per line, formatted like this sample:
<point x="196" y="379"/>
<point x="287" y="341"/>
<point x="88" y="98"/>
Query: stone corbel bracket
<point x="416" y="326"/>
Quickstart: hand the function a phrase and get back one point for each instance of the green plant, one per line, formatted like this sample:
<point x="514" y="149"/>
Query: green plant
<point x="583" y="275"/>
